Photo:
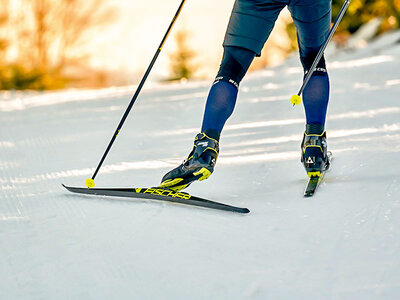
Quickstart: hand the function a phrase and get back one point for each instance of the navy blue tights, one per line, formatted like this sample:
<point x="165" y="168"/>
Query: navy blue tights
<point x="316" y="93"/>
<point x="220" y="104"/>
<point x="222" y="97"/>
<point x="235" y="63"/>
<point x="316" y="97"/>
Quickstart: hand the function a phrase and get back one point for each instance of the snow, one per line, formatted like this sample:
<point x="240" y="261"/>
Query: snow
<point x="344" y="243"/>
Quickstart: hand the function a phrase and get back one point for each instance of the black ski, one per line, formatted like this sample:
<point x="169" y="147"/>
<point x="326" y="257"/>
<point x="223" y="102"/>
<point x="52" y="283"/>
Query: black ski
<point x="312" y="185"/>
<point x="160" y="194"/>
<point x="314" y="181"/>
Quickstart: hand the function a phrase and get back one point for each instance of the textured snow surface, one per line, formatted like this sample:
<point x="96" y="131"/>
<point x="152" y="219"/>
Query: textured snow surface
<point x="344" y="243"/>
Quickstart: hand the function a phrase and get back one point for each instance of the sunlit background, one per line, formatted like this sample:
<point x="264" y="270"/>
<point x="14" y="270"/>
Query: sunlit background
<point x="50" y="44"/>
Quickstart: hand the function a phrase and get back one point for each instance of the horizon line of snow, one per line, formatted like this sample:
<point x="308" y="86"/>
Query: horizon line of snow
<point x="24" y="100"/>
<point x="31" y="99"/>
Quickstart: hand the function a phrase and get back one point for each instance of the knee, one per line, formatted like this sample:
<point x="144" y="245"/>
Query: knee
<point x="307" y="61"/>
<point x="234" y="65"/>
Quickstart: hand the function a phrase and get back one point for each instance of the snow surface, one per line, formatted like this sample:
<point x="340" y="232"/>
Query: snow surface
<point x="344" y="243"/>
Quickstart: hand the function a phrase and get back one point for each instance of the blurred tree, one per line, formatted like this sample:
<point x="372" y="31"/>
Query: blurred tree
<point x="181" y="66"/>
<point x="49" y="35"/>
<point x="4" y="15"/>
<point x="359" y="13"/>
<point x="362" y="11"/>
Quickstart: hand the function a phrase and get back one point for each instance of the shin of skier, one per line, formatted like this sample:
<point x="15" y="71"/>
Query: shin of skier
<point x="249" y="27"/>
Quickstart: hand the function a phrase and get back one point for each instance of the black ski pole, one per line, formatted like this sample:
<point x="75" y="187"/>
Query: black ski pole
<point x="90" y="181"/>
<point x="296" y="99"/>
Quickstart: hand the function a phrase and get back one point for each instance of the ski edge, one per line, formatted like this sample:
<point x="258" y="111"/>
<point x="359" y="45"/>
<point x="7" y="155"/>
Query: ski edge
<point x="131" y="193"/>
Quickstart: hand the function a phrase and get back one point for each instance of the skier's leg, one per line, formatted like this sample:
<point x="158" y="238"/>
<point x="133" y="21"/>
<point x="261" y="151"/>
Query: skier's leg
<point x="249" y="27"/>
<point x="220" y="104"/>
<point x="250" y="24"/>
<point x="222" y="97"/>
<point x="312" y="20"/>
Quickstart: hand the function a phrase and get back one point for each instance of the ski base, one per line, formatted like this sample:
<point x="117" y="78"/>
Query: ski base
<point x="159" y="194"/>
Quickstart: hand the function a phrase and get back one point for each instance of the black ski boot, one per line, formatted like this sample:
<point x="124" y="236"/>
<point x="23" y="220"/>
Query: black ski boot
<point x="198" y="166"/>
<point x="314" y="154"/>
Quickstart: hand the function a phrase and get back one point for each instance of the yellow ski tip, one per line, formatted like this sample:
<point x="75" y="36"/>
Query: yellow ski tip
<point x="89" y="183"/>
<point x="295" y="100"/>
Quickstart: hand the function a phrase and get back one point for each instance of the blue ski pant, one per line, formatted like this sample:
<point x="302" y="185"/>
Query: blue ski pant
<point x="252" y="21"/>
<point x="249" y="27"/>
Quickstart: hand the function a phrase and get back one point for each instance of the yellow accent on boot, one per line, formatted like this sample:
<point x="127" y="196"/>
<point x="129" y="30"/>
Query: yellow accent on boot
<point x="314" y="174"/>
<point x="170" y="182"/>
<point x="210" y="137"/>
<point x="204" y="172"/>
<point x="89" y="183"/>
<point x="313" y="134"/>
<point x="295" y="99"/>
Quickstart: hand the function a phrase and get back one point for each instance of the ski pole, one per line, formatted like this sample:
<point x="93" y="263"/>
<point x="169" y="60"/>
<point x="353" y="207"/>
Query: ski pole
<point x="296" y="99"/>
<point x="89" y="182"/>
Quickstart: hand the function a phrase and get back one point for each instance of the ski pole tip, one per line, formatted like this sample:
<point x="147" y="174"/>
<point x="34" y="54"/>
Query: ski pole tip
<point x="89" y="183"/>
<point x="295" y="99"/>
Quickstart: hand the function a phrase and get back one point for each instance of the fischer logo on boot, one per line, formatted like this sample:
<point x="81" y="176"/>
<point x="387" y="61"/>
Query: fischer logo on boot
<point x="310" y="160"/>
<point x="203" y="144"/>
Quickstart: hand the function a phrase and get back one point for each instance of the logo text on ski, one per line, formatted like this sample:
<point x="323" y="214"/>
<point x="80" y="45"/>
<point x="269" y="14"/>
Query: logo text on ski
<point x="164" y="192"/>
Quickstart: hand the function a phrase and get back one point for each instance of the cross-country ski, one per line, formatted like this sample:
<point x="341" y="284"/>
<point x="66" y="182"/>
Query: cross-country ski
<point x="158" y="194"/>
